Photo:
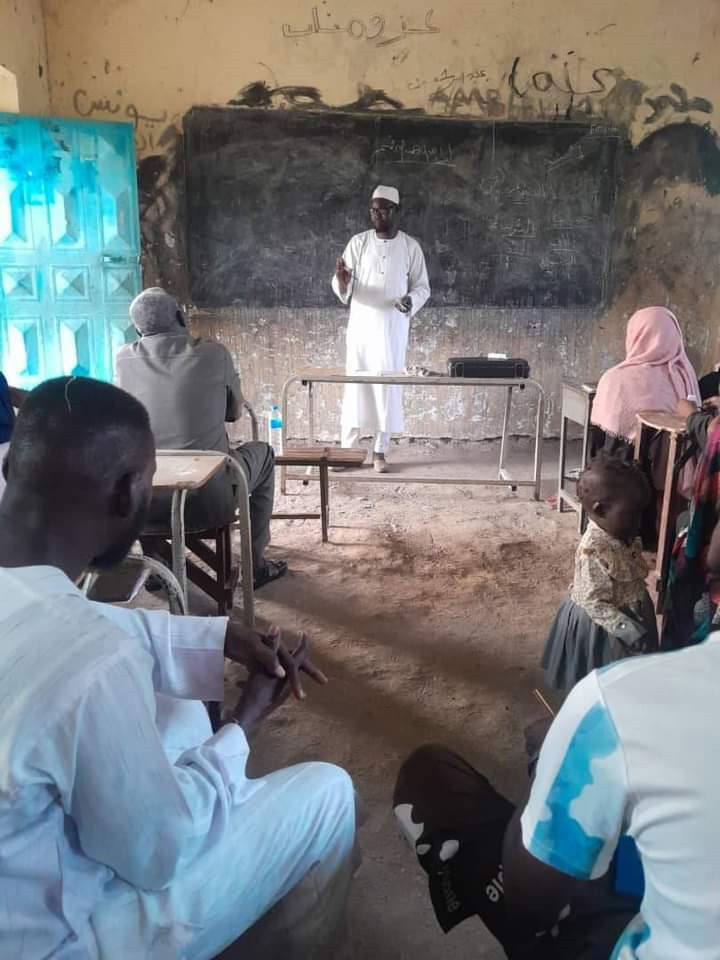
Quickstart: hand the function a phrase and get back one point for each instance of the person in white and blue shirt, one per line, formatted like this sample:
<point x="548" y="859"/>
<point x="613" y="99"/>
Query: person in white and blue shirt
<point x="631" y="754"/>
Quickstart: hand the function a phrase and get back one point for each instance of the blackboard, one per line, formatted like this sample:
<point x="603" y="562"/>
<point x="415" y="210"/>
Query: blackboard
<point x="510" y="214"/>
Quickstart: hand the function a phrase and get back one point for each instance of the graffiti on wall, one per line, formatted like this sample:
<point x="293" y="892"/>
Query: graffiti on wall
<point x="84" y="106"/>
<point x="675" y="102"/>
<point x="374" y="30"/>
<point x="260" y="95"/>
<point x="564" y="91"/>
<point x="568" y="89"/>
<point x="149" y="128"/>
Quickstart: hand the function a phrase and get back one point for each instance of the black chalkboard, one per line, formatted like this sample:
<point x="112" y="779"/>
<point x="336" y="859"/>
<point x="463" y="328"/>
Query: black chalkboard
<point x="511" y="214"/>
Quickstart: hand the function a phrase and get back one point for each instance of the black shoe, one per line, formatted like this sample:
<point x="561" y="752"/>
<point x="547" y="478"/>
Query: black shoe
<point x="273" y="570"/>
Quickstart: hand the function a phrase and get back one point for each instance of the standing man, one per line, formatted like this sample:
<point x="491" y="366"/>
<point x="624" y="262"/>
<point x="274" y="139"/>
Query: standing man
<point x="382" y="274"/>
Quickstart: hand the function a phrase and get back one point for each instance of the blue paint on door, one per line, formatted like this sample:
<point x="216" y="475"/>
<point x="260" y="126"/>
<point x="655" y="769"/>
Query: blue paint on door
<point x="69" y="246"/>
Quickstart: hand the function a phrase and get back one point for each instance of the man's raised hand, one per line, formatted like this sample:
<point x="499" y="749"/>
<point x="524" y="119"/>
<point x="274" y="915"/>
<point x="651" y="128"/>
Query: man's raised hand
<point x="343" y="274"/>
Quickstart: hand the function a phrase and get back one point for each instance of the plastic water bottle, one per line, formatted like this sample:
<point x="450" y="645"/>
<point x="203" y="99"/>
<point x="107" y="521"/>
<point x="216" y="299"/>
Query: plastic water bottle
<point x="274" y="421"/>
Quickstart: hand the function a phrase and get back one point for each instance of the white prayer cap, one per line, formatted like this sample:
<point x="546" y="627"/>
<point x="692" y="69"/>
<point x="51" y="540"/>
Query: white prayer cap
<point x="387" y="193"/>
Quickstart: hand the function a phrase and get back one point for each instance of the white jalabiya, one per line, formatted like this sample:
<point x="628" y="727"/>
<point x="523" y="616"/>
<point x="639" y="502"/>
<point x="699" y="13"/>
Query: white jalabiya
<point x="383" y="271"/>
<point x="128" y="829"/>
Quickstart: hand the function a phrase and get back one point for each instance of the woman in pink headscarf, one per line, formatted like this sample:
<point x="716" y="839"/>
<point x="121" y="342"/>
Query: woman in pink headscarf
<point x="654" y="375"/>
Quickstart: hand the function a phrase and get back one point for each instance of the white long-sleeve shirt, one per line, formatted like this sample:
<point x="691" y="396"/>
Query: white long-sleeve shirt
<point x="87" y="791"/>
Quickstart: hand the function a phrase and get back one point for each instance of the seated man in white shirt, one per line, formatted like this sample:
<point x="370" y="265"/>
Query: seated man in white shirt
<point x="128" y="829"/>
<point x="625" y="800"/>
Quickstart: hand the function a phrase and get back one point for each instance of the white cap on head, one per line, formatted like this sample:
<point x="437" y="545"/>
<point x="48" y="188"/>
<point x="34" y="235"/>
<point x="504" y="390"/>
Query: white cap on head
<point x="387" y="193"/>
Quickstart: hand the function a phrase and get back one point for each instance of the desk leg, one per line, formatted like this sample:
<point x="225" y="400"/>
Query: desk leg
<point x="503" y="441"/>
<point x="638" y="442"/>
<point x="324" y="499"/>
<point x="311" y="413"/>
<point x="283" y="434"/>
<point x="587" y="428"/>
<point x="311" y="424"/>
<point x="668" y="497"/>
<point x="562" y="462"/>
<point x="539" y="428"/>
<point x="177" y="527"/>
<point x="246" y="561"/>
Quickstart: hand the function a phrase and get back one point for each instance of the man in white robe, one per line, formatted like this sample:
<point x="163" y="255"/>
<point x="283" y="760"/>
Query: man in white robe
<point x="382" y="274"/>
<point x="129" y="830"/>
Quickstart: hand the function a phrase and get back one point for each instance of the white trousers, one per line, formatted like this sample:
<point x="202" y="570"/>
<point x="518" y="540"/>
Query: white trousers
<point x="275" y="885"/>
<point x="351" y="438"/>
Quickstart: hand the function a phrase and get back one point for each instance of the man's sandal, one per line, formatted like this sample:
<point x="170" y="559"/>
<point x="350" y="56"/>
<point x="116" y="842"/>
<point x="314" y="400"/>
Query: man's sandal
<point x="273" y="570"/>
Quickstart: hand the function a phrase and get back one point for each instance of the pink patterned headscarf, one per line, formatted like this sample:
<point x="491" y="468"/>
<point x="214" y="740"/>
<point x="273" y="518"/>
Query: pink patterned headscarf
<point x="654" y="375"/>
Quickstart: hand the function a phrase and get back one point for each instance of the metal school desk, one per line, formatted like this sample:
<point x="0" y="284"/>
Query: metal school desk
<point x="312" y="376"/>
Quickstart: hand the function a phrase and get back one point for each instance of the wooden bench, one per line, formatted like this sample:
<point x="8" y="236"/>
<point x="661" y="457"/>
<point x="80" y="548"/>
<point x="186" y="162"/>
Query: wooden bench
<point x="323" y="458"/>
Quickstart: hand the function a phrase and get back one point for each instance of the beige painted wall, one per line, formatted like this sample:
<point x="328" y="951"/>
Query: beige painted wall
<point x="22" y="51"/>
<point x="155" y="59"/>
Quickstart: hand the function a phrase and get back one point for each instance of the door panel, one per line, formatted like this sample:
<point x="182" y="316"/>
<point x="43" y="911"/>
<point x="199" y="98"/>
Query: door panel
<point x="69" y="246"/>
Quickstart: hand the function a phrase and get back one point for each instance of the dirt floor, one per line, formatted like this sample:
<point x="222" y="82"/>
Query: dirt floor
<point x="428" y="610"/>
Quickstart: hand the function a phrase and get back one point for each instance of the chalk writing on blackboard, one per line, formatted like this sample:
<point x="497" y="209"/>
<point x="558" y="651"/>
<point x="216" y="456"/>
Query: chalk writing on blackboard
<point x="404" y="151"/>
<point x="373" y="30"/>
<point x="502" y="223"/>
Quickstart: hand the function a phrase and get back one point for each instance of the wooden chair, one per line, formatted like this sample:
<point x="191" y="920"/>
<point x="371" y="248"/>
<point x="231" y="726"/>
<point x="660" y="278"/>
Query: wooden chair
<point x="213" y="548"/>
<point x="323" y="458"/>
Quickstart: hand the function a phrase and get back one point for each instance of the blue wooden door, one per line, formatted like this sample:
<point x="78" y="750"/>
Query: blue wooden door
<point x="69" y="246"/>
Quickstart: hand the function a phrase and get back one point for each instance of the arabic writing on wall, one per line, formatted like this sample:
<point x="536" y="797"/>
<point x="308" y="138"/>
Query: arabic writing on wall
<point x="519" y="92"/>
<point x="85" y="106"/>
<point x="571" y="89"/>
<point x="374" y="30"/>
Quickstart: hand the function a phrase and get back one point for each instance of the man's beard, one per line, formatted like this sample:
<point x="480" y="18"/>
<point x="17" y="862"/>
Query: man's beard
<point x="117" y="551"/>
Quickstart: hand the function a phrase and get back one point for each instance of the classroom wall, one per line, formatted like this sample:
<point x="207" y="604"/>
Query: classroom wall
<point x="649" y="67"/>
<point x="23" y="55"/>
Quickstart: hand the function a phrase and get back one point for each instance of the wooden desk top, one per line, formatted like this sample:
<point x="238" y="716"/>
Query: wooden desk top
<point x="669" y="422"/>
<point x="586" y="387"/>
<point x="185" y="470"/>
<point x="311" y="456"/>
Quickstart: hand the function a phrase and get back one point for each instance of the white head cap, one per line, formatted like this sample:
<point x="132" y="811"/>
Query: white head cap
<point x="387" y="193"/>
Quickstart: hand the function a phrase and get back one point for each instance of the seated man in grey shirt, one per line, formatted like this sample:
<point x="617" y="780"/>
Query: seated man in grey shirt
<point x="190" y="388"/>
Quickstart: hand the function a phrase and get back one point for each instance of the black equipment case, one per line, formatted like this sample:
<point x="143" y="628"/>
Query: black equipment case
<point x="500" y="368"/>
